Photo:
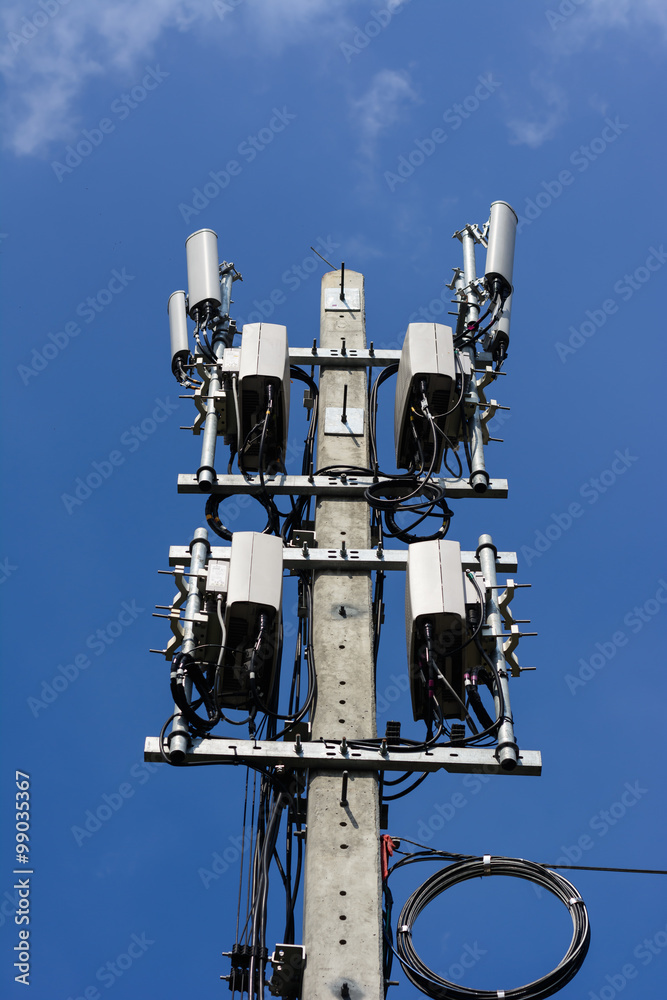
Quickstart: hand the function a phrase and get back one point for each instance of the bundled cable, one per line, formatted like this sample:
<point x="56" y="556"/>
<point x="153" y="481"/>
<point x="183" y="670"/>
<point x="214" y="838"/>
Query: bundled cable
<point x="408" y="493"/>
<point x="308" y="452"/>
<point x="434" y="985"/>
<point x="222" y="531"/>
<point x="276" y="795"/>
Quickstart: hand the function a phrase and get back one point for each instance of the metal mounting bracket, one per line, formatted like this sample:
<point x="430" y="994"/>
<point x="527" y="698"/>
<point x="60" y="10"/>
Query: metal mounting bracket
<point x="298" y="560"/>
<point x="352" y="486"/>
<point x="334" y="755"/>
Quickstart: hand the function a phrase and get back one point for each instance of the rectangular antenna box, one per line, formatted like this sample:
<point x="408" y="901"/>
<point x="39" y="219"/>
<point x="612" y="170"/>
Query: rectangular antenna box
<point x="254" y="588"/>
<point x="427" y="356"/>
<point x="435" y="592"/>
<point x="264" y="362"/>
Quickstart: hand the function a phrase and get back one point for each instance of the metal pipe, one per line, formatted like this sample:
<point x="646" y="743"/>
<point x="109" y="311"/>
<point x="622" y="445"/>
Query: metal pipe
<point x="226" y="281"/>
<point x="479" y="477"/>
<point x="206" y="475"/>
<point x="470" y="273"/>
<point x="507" y="751"/>
<point x="199" y="547"/>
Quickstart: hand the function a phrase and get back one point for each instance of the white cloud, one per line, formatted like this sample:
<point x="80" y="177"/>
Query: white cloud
<point x="49" y="58"/>
<point x="628" y="12"/>
<point x="580" y="22"/>
<point x="382" y="105"/>
<point x="576" y="25"/>
<point x="294" y="19"/>
<point x="47" y="72"/>
<point x="540" y="112"/>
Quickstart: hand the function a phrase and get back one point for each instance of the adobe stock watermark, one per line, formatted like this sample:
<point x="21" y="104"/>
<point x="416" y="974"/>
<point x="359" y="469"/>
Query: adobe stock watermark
<point x="88" y="310"/>
<point x="225" y="7"/>
<point x="444" y="812"/>
<point x="6" y="569"/>
<point x="249" y="149"/>
<point x="9" y="905"/>
<point x="599" y="824"/>
<point x="651" y="947"/>
<point x="467" y="960"/>
<point x="97" y="642"/>
<point x="581" y="158"/>
<point x="625" y="287"/>
<point x="34" y="22"/>
<point x="109" y="973"/>
<point x="122" y="107"/>
<point x="377" y="22"/>
<point x="131" y="440"/>
<point x="591" y="491"/>
<point x="566" y="8"/>
<point x="292" y="279"/>
<point x="221" y="863"/>
<point x="454" y="116"/>
<point x="111" y="802"/>
<point x="634" y="621"/>
<point x="645" y="952"/>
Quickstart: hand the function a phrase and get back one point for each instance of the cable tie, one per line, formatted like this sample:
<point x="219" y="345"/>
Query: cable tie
<point x="487" y="868"/>
<point x="501" y="993"/>
<point x="404" y="929"/>
<point x="575" y="899"/>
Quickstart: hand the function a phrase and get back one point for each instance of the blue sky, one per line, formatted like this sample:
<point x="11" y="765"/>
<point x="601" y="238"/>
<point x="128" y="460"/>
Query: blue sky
<point x="281" y="126"/>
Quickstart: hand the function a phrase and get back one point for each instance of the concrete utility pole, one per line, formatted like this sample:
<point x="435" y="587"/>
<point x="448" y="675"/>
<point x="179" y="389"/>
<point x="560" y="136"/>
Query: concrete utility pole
<point x="342" y="925"/>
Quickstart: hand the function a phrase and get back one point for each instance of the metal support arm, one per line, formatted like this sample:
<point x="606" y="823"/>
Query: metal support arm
<point x="332" y="756"/>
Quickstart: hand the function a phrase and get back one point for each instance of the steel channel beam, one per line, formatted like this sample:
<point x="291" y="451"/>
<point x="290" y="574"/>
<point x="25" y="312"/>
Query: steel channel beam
<point x="356" y="358"/>
<point x="328" y="486"/>
<point x="327" y="755"/>
<point x="359" y="559"/>
<point x="353" y="357"/>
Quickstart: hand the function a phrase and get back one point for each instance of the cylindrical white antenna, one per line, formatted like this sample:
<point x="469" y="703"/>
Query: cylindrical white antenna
<point x="178" y="330"/>
<point x="500" y="254"/>
<point x="203" y="276"/>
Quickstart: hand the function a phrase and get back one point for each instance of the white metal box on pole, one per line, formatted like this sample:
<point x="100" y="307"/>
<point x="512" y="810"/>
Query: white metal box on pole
<point x="435" y="594"/>
<point x="427" y="363"/>
<point x="254" y="599"/>
<point x="264" y="369"/>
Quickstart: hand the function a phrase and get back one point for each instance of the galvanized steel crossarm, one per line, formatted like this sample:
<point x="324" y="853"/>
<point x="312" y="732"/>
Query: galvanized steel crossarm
<point x="352" y="486"/>
<point x="332" y="755"/>
<point x="340" y="358"/>
<point x="300" y="559"/>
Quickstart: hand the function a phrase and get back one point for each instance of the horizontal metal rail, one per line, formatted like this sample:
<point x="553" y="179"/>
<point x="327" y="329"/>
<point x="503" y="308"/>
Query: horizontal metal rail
<point x="361" y="559"/>
<point x="347" y="358"/>
<point x="352" y="486"/>
<point x="334" y="756"/>
<point x="336" y="358"/>
<point x="357" y="358"/>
